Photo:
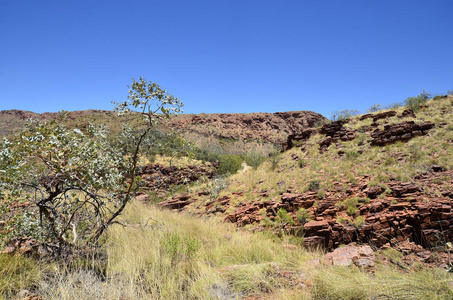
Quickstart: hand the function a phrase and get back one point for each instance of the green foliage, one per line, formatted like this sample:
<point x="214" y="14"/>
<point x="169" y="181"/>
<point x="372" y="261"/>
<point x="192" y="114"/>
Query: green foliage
<point x="301" y="163"/>
<point x="230" y="164"/>
<point x="156" y="142"/>
<point x="359" y="221"/>
<point x="283" y="218"/>
<point x="360" y="139"/>
<point x="62" y="172"/>
<point x="351" y="154"/>
<point x="414" y="103"/>
<point x="148" y="98"/>
<point x="178" y="247"/>
<point x="393" y="254"/>
<point x="389" y="161"/>
<point x="254" y="158"/>
<point x="394" y="105"/>
<point x="313" y="185"/>
<point x="321" y="194"/>
<point x="303" y="215"/>
<point x="216" y="185"/>
<point x="350" y="205"/>
<point x="76" y="180"/>
<point x="205" y="155"/>
<point x="438" y="97"/>
<point x="344" y="114"/>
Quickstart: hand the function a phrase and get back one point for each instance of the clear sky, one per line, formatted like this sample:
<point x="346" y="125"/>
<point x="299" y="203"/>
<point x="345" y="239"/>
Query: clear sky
<point x="224" y="55"/>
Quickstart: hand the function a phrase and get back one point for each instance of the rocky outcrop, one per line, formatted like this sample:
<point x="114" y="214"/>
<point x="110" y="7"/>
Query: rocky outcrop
<point x="158" y="177"/>
<point x="270" y="127"/>
<point x="176" y="202"/>
<point x="378" y="116"/>
<point x="302" y="136"/>
<point x="403" y="131"/>
<point x="401" y="214"/>
<point x="408" y="113"/>
<point x="335" y="131"/>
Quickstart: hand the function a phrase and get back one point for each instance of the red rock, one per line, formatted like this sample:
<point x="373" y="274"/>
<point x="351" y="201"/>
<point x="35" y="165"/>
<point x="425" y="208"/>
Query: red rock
<point x="399" y="131"/>
<point x="177" y="202"/>
<point x="362" y="256"/>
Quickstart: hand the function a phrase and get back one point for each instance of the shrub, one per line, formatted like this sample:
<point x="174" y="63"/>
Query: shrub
<point x="230" y="164"/>
<point x="361" y="138"/>
<point x="375" y="108"/>
<point x="274" y="159"/>
<point x="414" y="103"/>
<point x="359" y="222"/>
<point x="351" y="154"/>
<point x="303" y="215"/>
<point x="313" y="185"/>
<point x="301" y="163"/>
<point x="216" y="185"/>
<point x="283" y="218"/>
<point x="350" y="204"/>
<point x="438" y="97"/>
<point x="394" y="105"/>
<point x="254" y="159"/>
<point x="344" y="114"/>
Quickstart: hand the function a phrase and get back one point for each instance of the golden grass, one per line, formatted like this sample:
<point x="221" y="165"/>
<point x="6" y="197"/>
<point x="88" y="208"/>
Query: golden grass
<point x="165" y="255"/>
<point x="179" y="257"/>
<point x="18" y="273"/>
<point x="402" y="160"/>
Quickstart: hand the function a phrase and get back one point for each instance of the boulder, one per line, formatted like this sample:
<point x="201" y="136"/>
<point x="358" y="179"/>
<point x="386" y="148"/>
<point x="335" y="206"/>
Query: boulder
<point x="361" y="256"/>
<point x="177" y="202"/>
<point x="399" y="132"/>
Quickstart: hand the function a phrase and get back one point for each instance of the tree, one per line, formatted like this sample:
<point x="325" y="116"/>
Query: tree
<point x="414" y="103"/>
<point x="77" y="183"/>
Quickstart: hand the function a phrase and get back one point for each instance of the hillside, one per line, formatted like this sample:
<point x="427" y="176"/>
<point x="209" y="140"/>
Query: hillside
<point x="383" y="179"/>
<point x="219" y="133"/>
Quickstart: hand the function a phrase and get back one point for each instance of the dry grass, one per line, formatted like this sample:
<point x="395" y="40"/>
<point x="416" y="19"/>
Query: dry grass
<point x="401" y="160"/>
<point x="166" y="255"/>
<point x="180" y="257"/>
<point x="18" y="273"/>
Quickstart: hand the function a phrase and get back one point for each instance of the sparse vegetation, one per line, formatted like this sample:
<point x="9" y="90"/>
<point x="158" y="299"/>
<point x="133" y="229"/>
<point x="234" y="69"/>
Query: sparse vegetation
<point x="159" y="254"/>
<point x="344" y="114"/>
<point x="415" y="102"/>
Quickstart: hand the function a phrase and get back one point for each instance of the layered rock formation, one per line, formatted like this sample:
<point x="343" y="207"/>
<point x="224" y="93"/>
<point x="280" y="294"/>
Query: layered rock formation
<point x="270" y="127"/>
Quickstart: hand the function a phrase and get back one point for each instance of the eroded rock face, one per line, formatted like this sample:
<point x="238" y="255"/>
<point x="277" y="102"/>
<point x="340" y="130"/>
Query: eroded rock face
<point x="271" y="127"/>
<point x="159" y="178"/>
<point x="176" y="202"/>
<point x="335" y="131"/>
<point x="399" y="132"/>
<point x="379" y="116"/>
<point x="408" y="113"/>
<point x="400" y="214"/>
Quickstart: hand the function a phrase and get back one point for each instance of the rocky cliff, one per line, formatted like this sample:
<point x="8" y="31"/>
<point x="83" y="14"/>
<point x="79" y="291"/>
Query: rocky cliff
<point x="270" y="127"/>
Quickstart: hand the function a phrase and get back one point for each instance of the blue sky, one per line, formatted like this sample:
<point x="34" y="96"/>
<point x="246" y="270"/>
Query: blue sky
<point x="224" y="55"/>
